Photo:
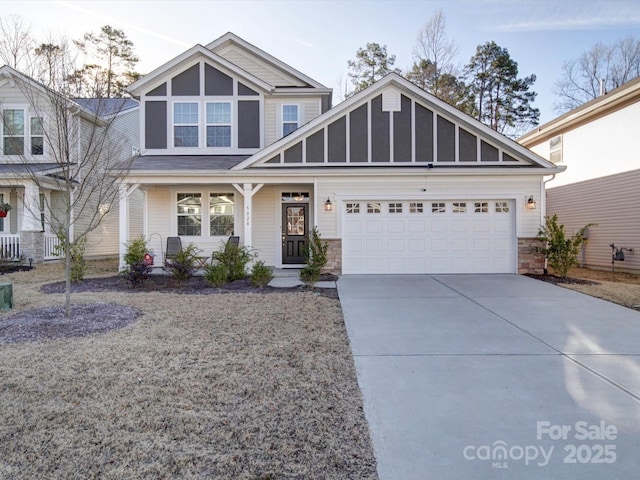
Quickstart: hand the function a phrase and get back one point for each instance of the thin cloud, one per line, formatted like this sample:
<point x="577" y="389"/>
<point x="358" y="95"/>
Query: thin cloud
<point x="585" y="23"/>
<point x="129" y="26"/>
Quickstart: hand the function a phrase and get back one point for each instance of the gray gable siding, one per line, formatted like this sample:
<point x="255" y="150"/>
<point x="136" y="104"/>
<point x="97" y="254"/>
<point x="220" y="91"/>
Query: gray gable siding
<point x="216" y="82"/>
<point x="187" y="82"/>
<point x="159" y="91"/>
<point x="248" y="124"/>
<point x="402" y="130"/>
<point x="244" y="90"/>
<point x="155" y="115"/>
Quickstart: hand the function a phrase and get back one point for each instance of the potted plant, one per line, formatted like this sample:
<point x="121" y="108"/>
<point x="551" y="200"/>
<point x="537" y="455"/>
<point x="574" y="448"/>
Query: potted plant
<point x="4" y="208"/>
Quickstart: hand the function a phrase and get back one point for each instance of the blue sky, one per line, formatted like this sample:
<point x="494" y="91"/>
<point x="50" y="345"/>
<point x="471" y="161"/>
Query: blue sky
<point x="318" y="37"/>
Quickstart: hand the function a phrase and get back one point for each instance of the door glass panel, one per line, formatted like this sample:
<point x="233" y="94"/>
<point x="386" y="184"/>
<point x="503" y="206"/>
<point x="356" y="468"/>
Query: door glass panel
<point x="295" y="221"/>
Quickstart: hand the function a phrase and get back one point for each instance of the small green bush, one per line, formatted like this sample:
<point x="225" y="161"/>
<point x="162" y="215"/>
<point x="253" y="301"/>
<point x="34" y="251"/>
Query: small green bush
<point x="261" y="275"/>
<point x="315" y="255"/>
<point x="136" y="270"/>
<point x="182" y="266"/>
<point x="76" y="249"/>
<point x="235" y="258"/>
<point x="559" y="249"/>
<point x="216" y="274"/>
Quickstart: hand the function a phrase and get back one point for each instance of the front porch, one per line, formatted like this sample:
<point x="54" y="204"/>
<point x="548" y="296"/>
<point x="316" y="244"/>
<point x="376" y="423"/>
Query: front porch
<point x="32" y="247"/>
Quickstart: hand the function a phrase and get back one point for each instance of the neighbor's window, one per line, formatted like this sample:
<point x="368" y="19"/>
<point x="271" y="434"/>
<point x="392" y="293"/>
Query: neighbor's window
<point x="416" y="207"/>
<point x="13" y="132"/>
<point x="189" y="214"/>
<point x="219" y="124"/>
<point x="37" y="136"/>
<point x="185" y="124"/>
<point x="459" y="207"/>
<point x="290" y="119"/>
<point x="438" y="207"/>
<point x="221" y="214"/>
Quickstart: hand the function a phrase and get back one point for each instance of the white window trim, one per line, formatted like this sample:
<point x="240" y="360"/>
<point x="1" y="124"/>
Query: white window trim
<point x="233" y="121"/>
<point x="205" y="220"/>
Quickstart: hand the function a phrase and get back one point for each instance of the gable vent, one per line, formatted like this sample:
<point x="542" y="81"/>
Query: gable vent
<point x="391" y="100"/>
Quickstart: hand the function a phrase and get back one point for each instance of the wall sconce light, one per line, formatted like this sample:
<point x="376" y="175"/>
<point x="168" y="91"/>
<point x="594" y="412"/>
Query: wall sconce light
<point x="328" y="206"/>
<point x="531" y="203"/>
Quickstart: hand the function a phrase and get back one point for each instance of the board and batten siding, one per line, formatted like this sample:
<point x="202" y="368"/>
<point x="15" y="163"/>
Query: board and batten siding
<point x="452" y="188"/>
<point x="611" y="202"/>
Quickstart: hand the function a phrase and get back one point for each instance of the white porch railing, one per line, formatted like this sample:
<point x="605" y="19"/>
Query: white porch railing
<point x="9" y="246"/>
<point x="51" y="241"/>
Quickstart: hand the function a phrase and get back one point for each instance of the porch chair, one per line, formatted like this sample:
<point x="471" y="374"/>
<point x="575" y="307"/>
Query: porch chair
<point x="233" y="242"/>
<point x="174" y="247"/>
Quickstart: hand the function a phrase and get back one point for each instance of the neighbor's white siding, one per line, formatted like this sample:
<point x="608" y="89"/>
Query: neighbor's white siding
<point x="604" y="146"/>
<point x="610" y="202"/>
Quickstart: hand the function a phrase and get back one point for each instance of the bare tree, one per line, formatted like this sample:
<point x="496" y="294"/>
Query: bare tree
<point x="16" y="42"/>
<point x="581" y="78"/>
<point x="434" y="55"/>
<point x="83" y="148"/>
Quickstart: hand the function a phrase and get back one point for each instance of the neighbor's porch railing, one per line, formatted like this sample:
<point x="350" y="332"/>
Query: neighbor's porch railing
<point x="51" y="241"/>
<point x="9" y="246"/>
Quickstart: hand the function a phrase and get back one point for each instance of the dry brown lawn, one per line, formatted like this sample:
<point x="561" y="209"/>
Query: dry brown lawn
<point x="238" y="386"/>
<point x="617" y="287"/>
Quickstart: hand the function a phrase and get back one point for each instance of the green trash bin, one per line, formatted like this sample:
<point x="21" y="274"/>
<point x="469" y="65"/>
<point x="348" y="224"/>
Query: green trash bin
<point x="6" y="296"/>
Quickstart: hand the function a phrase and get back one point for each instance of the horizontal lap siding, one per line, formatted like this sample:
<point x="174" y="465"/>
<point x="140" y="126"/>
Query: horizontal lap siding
<point x="273" y="109"/>
<point x="158" y="211"/>
<point x="265" y="224"/>
<point x="612" y="203"/>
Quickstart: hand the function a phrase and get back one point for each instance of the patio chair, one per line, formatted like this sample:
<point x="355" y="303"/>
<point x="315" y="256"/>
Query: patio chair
<point x="233" y="242"/>
<point x="174" y="247"/>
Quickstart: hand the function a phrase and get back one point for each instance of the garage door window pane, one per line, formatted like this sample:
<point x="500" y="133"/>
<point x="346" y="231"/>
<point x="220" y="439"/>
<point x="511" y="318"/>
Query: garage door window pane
<point x="438" y="208"/>
<point x="373" y="208"/>
<point x="395" y="208"/>
<point x="353" y="208"/>
<point x="481" y="207"/>
<point x="416" y="207"/>
<point x="459" y="207"/>
<point x="502" y="207"/>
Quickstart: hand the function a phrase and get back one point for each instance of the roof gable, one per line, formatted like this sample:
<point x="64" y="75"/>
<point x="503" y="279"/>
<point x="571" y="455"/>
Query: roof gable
<point x="395" y="123"/>
<point x="259" y="63"/>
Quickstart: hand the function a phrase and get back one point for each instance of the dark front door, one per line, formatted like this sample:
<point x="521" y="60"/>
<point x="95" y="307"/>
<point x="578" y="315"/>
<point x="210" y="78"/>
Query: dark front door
<point x="295" y="226"/>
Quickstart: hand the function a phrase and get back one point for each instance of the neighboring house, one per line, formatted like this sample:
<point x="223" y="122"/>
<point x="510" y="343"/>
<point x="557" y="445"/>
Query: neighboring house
<point x="233" y="141"/>
<point x="30" y="164"/>
<point x="600" y="146"/>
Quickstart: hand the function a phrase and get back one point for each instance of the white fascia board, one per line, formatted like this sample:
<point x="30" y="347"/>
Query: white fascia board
<point x="160" y="72"/>
<point x="288" y="91"/>
<point x="264" y="56"/>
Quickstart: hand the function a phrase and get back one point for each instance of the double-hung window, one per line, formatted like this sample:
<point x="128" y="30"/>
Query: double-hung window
<point x="13" y="130"/>
<point x="189" y="214"/>
<point x="290" y="119"/>
<point x="37" y="136"/>
<point x="221" y="214"/>
<point x="219" y="124"/>
<point x="185" y="124"/>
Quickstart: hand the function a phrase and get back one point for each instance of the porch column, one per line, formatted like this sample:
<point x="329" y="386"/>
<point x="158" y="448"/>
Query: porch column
<point x="248" y="191"/>
<point x="31" y="221"/>
<point x="124" y="191"/>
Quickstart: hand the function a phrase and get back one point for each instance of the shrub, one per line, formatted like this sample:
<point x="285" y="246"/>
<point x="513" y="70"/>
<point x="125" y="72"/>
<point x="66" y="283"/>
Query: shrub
<point x="76" y="252"/>
<point x="136" y="270"/>
<point x="315" y="255"/>
<point x="261" y="275"/>
<point x="560" y="250"/>
<point x="234" y="258"/>
<point x="182" y="266"/>
<point x="216" y="274"/>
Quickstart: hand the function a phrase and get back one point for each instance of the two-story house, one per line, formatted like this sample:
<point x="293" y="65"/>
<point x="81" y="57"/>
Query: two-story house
<point x="234" y="141"/>
<point x="44" y="134"/>
<point x="599" y="144"/>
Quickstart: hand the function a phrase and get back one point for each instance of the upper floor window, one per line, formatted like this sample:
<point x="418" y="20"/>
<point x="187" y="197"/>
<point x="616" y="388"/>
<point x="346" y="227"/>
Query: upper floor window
<point x="219" y="124"/>
<point x="185" y="124"/>
<point x="290" y="119"/>
<point x="13" y="132"/>
<point x="37" y="136"/>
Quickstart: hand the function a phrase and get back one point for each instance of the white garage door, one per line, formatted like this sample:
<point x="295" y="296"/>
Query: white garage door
<point x="476" y="236"/>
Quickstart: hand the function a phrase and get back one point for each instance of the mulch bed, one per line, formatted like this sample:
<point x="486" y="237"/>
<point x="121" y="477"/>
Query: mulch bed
<point x="195" y="285"/>
<point x="556" y="280"/>
<point x="8" y="268"/>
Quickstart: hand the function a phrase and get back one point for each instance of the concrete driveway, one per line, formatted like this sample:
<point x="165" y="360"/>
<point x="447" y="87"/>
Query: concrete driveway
<point x="494" y="376"/>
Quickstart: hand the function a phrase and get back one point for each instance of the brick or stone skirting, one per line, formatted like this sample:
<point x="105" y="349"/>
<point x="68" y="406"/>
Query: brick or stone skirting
<point x="530" y="261"/>
<point x="334" y="256"/>
<point x="32" y="246"/>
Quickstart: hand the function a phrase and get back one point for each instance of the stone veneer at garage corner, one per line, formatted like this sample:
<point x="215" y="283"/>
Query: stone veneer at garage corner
<point x="529" y="260"/>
